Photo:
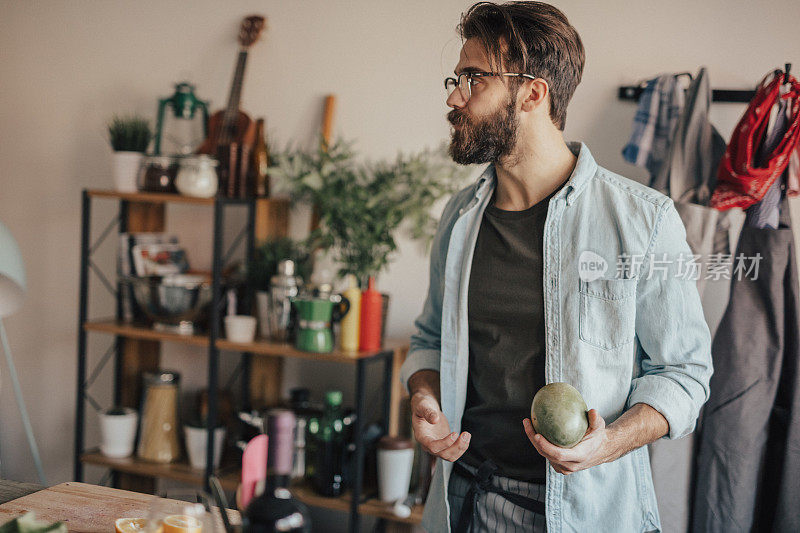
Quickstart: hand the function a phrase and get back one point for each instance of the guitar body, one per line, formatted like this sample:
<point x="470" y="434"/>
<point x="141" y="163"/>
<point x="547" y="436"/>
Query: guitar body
<point x="243" y="130"/>
<point x="231" y="132"/>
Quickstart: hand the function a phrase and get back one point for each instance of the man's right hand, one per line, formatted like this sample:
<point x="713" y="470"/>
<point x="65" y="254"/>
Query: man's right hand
<point x="431" y="428"/>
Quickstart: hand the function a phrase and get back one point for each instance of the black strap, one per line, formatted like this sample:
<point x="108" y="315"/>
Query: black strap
<point x="480" y="483"/>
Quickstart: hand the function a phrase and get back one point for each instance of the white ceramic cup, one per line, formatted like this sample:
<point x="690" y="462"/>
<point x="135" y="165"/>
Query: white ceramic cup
<point x="394" y="468"/>
<point x="118" y="433"/>
<point x="126" y="170"/>
<point x="240" y="328"/>
<point x="196" y="445"/>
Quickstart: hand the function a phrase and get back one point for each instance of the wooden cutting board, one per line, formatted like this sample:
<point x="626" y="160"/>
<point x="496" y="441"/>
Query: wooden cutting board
<point x="83" y="507"/>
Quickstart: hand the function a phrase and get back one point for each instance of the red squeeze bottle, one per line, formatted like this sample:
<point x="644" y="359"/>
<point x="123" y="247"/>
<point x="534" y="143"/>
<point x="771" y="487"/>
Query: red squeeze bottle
<point x="371" y="311"/>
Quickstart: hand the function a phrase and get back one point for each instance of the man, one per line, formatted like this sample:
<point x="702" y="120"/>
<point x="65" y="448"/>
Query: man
<point x="549" y="268"/>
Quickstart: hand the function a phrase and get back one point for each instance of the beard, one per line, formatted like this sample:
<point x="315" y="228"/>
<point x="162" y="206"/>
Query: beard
<point x="483" y="141"/>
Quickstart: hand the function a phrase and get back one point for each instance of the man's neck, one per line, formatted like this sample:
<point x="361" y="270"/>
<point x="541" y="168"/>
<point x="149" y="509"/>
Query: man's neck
<point x="535" y="169"/>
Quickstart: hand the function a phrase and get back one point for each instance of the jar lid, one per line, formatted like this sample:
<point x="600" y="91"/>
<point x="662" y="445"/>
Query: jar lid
<point x="198" y="160"/>
<point x="394" y="443"/>
<point x="163" y="160"/>
<point x="165" y="377"/>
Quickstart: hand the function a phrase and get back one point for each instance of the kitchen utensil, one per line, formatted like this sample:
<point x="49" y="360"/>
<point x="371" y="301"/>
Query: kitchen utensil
<point x="174" y="303"/>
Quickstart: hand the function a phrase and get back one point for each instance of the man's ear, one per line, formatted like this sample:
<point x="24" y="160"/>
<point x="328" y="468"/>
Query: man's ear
<point x="534" y="94"/>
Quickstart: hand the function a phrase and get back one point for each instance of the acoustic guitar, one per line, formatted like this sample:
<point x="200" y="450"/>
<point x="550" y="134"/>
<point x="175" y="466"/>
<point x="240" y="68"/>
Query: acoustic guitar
<point x="231" y="132"/>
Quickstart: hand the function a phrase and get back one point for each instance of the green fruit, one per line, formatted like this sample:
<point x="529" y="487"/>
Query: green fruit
<point x="559" y="413"/>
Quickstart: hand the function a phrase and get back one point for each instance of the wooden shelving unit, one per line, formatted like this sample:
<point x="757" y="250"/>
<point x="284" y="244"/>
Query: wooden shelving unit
<point x="138" y="351"/>
<point x="229" y="478"/>
<point x="179" y="471"/>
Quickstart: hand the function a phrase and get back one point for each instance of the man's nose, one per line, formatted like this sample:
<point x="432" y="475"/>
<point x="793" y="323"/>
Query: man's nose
<point x="455" y="100"/>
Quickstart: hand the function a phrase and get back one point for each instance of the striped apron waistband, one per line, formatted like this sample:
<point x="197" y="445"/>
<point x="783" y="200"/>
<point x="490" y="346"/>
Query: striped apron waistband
<point x="481" y="483"/>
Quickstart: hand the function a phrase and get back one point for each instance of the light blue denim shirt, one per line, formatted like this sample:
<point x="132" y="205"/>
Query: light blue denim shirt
<point x="632" y="332"/>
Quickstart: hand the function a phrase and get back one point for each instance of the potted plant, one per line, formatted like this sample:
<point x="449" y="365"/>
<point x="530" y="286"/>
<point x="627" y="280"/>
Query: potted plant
<point x="264" y="265"/>
<point x="129" y="137"/>
<point x="362" y="206"/>
<point x="118" y="431"/>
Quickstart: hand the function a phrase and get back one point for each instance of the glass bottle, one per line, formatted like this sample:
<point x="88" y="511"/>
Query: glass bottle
<point x="329" y="447"/>
<point x="158" y="437"/>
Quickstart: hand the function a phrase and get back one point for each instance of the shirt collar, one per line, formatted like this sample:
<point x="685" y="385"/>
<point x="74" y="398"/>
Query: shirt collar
<point x="584" y="169"/>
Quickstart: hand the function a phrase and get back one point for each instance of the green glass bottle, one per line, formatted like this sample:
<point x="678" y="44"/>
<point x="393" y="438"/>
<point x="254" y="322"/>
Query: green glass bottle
<point x="328" y="447"/>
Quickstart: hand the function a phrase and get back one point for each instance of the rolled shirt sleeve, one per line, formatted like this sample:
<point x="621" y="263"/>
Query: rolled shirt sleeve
<point x="671" y="329"/>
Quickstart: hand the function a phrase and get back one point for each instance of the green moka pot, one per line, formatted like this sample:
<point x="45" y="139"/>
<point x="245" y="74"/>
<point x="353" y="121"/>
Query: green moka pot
<point x="314" y="323"/>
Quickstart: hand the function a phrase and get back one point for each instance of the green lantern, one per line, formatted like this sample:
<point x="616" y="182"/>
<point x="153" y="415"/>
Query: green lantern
<point x="184" y="105"/>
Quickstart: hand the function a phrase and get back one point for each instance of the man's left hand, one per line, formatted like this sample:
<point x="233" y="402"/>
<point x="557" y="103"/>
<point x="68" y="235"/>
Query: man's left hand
<point x="592" y="450"/>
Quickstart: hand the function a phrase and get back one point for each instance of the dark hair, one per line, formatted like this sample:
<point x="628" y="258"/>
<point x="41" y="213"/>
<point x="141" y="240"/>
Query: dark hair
<point x="531" y="37"/>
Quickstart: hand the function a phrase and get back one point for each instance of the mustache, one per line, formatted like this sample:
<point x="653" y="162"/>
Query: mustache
<point x="456" y="117"/>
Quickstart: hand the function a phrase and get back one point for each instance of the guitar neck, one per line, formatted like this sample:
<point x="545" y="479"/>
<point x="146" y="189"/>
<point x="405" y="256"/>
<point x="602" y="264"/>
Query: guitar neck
<point x="231" y="111"/>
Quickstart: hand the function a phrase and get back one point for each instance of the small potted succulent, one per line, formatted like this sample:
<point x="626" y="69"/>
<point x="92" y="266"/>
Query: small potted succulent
<point x="129" y="137"/>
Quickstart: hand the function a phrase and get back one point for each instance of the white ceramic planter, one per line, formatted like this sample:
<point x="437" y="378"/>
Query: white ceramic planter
<point x="126" y="170"/>
<point x="196" y="439"/>
<point x="118" y="433"/>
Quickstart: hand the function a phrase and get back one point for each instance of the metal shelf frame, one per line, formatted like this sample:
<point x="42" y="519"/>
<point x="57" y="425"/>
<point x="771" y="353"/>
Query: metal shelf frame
<point x="219" y="258"/>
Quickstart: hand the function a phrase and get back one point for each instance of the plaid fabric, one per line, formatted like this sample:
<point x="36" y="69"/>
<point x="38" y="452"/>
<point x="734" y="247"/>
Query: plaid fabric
<point x="660" y="106"/>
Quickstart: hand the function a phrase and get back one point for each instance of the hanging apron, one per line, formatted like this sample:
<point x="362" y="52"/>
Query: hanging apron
<point x="688" y="176"/>
<point x="748" y="466"/>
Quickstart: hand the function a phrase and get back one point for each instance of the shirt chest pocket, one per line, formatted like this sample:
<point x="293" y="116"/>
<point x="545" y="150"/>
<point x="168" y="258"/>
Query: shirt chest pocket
<point x="607" y="318"/>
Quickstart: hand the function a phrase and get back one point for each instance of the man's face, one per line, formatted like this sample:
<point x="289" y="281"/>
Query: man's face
<point x="485" y="127"/>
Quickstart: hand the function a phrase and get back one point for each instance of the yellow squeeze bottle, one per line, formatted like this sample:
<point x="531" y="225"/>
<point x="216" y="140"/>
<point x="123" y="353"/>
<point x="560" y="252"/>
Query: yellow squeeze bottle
<point x="351" y="322"/>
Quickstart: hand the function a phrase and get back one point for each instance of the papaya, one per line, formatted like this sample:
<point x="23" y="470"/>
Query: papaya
<point x="560" y="414"/>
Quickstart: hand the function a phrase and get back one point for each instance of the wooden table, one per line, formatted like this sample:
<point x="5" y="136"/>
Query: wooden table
<point x="11" y="490"/>
<point x="83" y="507"/>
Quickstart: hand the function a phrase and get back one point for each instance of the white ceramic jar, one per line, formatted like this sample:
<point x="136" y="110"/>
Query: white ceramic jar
<point x="197" y="176"/>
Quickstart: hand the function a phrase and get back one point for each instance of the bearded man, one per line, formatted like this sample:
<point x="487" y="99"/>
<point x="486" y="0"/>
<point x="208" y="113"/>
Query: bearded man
<point x="549" y="268"/>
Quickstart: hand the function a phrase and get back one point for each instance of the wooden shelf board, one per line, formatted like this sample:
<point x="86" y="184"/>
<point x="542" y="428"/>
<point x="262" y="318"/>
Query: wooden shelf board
<point x="262" y="347"/>
<point x="372" y="507"/>
<point x="229" y="478"/>
<point x="134" y="331"/>
<point x="163" y="198"/>
<point x="179" y="471"/>
<point x="259" y="347"/>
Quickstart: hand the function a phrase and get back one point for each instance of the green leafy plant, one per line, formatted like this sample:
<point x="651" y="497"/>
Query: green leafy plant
<point x="268" y="254"/>
<point x="361" y="206"/>
<point x="129" y="133"/>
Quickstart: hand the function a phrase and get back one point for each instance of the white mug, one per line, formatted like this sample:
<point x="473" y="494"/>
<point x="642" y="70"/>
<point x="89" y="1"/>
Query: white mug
<point x="196" y="439"/>
<point x="240" y="328"/>
<point x="395" y="460"/>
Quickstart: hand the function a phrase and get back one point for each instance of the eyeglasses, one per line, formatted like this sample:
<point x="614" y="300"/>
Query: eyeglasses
<point x="466" y="80"/>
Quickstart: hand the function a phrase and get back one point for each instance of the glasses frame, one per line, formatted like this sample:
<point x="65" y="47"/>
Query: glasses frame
<point x="470" y="75"/>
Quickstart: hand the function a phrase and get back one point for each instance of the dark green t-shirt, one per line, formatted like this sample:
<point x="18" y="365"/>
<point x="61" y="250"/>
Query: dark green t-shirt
<point x="506" y="340"/>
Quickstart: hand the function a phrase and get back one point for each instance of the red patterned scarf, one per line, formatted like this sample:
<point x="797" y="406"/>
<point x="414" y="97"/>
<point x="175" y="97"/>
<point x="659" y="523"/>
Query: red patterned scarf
<point x="739" y="182"/>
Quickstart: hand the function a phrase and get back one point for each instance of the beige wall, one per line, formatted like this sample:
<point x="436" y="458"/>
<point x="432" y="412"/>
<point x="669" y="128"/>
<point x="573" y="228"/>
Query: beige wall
<point x="66" y="66"/>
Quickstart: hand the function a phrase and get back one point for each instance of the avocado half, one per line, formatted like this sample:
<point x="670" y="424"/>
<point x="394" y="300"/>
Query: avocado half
<point x="560" y="414"/>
